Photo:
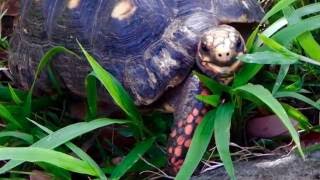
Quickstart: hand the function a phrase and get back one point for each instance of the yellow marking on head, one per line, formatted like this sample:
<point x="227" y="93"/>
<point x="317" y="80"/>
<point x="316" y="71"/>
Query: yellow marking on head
<point x="123" y="10"/>
<point x="72" y="4"/>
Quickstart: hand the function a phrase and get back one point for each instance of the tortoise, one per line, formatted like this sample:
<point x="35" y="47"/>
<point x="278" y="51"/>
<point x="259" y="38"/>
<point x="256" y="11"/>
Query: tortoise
<point x="150" y="46"/>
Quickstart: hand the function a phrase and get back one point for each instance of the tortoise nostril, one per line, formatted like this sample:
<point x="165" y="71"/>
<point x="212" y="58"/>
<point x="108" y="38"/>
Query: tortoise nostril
<point x="220" y="55"/>
<point x="228" y="54"/>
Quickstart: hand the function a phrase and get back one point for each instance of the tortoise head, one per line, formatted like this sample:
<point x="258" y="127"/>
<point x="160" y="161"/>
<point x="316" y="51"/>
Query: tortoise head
<point x="217" y="52"/>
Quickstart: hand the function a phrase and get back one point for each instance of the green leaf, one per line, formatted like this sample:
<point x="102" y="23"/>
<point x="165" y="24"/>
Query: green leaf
<point x="116" y="91"/>
<point x="284" y="51"/>
<point x="5" y="94"/>
<point x="299" y="97"/>
<point x="34" y="154"/>
<point x="222" y="126"/>
<point x="7" y="116"/>
<point x="280" y="78"/>
<point x="214" y="86"/>
<point x="266" y="97"/>
<point x="23" y="136"/>
<point x="213" y="100"/>
<point x="131" y="158"/>
<point x="310" y="45"/>
<point x="268" y="57"/>
<point x="246" y="73"/>
<point x="277" y="8"/>
<point x="79" y="152"/>
<point x="250" y="70"/>
<point x="198" y="147"/>
<point x="275" y="46"/>
<point x="286" y="35"/>
<point x="306" y="40"/>
<point x="298" y="116"/>
<point x="64" y="135"/>
<point x="91" y="87"/>
<point x="41" y="66"/>
<point x="14" y="96"/>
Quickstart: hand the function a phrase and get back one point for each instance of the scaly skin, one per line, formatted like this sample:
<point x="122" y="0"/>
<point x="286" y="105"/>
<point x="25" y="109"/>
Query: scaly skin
<point x="216" y="56"/>
<point x="187" y="116"/>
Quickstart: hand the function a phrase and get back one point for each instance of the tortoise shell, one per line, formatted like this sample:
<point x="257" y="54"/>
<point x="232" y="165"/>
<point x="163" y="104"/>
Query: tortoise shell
<point x="148" y="45"/>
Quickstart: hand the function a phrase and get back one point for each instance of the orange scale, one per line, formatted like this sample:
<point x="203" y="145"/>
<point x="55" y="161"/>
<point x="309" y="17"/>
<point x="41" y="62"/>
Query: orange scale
<point x="179" y="163"/>
<point x="187" y="143"/>
<point x="178" y="151"/>
<point x="180" y="140"/>
<point x="173" y="133"/>
<point x="170" y="150"/>
<point x="190" y="118"/>
<point x="195" y="112"/>
<point x="188" y="129"/>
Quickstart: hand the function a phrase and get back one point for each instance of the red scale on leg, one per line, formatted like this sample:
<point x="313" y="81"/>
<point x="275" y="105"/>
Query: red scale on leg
<point x="180" y="140"/>
<point x="187" y="143"/>
<point x="190" y="118"/>
<point x="178" y="151"/>
<point x="188" y="115"/>
<point x="195" y="112"/>
<point x="173" y="133"/>
<point x="188" y="130"/>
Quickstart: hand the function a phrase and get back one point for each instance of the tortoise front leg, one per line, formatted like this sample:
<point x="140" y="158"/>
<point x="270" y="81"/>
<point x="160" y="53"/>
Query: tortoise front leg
<point x="187" y="115"/>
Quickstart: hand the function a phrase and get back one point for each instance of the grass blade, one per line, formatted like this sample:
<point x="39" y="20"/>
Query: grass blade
<point x="34" y="154"/>
<point x="14" y="96"/>
<point x="277" y="8"/>
<point x="64" y="135"/>
<point x="7" y="116"/>
<point x="198" y="147"/>
<point x="298" y="116"/>
<point x="213" y="100"/>
<point x="132" y="158"/>
<point x="91" y="87"/>
<point x="79" y="152"/>
<point x="23" y="136"/>
<point x="306" y="40"/>
<point x="222" y="126"/>
<point x="213" y="85"/>
<point x="45" y="60"/>
<point x="268" y="57"/>
<point x="288" y="34"/>
<point x="299" y="97"/>
<point x="266" y="97"/>
<point x="5" y="94"/>
<point x="284" y="51"/>
<point x="116" y="91"/>
<point x="284" y="69"/>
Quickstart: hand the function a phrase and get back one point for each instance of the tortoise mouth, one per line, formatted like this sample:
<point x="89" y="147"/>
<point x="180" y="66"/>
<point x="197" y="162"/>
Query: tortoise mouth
<point x="218" y="51"/>
<point x="222" y="72"/>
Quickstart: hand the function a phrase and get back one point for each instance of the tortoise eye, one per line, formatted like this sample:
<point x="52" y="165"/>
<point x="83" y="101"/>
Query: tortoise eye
<point x="239" y="45"/>
<point x="204" y="47"/>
